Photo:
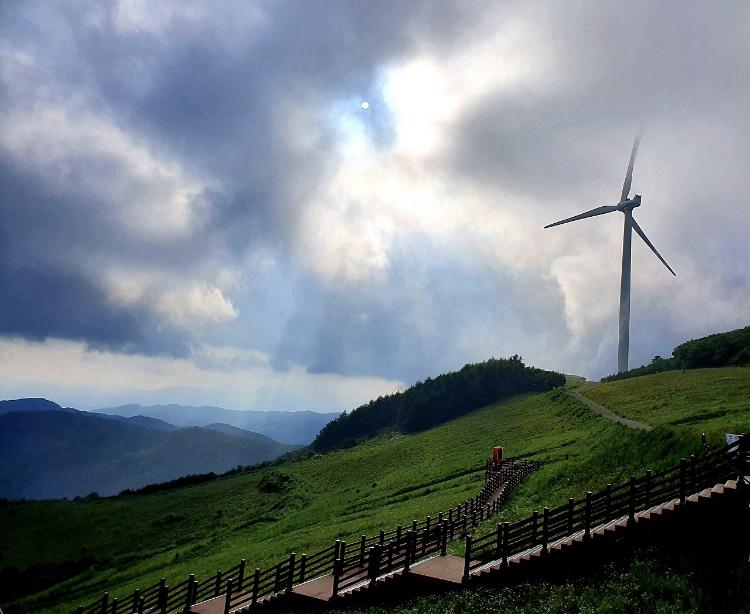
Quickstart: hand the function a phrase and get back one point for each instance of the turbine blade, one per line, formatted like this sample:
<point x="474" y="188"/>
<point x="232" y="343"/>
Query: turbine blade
<point x="643" y="236"/>
<point x="629" y="174"/>
<point x="598" y="211"/>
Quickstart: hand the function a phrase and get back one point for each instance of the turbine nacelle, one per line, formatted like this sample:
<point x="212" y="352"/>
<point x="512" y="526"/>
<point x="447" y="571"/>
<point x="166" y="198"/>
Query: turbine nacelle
<point x="630" y="203"/>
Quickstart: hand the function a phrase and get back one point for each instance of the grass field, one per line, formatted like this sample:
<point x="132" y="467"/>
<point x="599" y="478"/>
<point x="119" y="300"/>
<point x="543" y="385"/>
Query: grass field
<point x="717" y="400"/>
<point x="136" y="540"/>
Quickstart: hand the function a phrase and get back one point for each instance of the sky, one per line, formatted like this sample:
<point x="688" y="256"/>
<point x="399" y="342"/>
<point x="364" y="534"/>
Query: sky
<point x="195" y="208"/>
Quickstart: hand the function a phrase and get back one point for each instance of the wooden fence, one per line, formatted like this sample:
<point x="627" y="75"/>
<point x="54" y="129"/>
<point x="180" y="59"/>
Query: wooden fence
<point x="349" y="563"/>
<point x="637" y="494"/>
<point x="370" y="557"/>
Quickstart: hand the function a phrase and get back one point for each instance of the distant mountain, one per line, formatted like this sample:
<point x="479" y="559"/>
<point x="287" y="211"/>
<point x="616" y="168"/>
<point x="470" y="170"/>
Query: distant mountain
<point x="32" y="404"/>
<point x="53" y="453"/>
<point x="39" y="404"/>
<point x="228" y="429"/>
<point x="293" y="427"/>
<point x="152" y="423"/>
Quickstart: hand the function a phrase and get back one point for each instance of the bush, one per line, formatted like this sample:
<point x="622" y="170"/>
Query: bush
<point x="275" y="481"/>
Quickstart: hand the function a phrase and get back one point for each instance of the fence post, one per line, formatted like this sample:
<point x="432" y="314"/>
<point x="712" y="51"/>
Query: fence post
<point x="164" y="600"/>
<point x="374" y="566"/>
<point x="631" y="501"/>
<point x="649" y="474"/>
<point x="113" y="609"/>
<point x="217" y="584"/>
<point x="105" y="601"/>
<point x="407" y="551"/>
<point x="545" y="530"/>
<point x="443" y="538"/>
<point x="256" y="586"/>
<point x="189" y="596"/>
<point x="277" y="579"/>
<point x="473" y="519"/>
<point x="683" y="472"/>
<point x="693" y="477"/>
<point x="141" y="605"/>
<point x="362" y="541"/>
<point x="499" y="540"/>
<point x="302" y="567"/>
<point x="336" y="550"/>
<point x="506" y="528"/>
<point x="426" y="535"/>
<point x="241" y="577"/>
<point x="162" y="584"/>
<point x="588" y="514"/>
<point x="136" y="595"/>
<point x="467" y="558"/>
<point x="414" y="539"/>
<point x="290" y="575"/>
<point x="608" y="503"/>
<point x="534" y="522"/>
<point x="79" y="609"/>
<point x="570" y="515"/>
<point x="228" y="600"/>
<point x="398" y="537"/>
<point x="336" y="577"/>
<point x="743" y="449"/>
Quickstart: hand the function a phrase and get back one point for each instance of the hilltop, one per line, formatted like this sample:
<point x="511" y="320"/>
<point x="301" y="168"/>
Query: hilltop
<point x="379" y="483"/>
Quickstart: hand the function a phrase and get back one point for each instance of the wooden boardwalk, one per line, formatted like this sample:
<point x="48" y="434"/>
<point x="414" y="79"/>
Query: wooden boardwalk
<point x="406" y="558"/>
<point x="448" y="571"/>
<point x="446" y="568"/>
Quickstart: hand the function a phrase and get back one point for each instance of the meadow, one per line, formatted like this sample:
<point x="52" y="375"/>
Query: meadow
<point x="303" y="505"/>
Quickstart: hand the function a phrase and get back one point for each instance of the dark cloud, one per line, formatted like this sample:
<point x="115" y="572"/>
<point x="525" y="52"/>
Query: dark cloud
<point x="45" y="293"/>
<point x="226" y="98"/>
<point x="210" y="93"/>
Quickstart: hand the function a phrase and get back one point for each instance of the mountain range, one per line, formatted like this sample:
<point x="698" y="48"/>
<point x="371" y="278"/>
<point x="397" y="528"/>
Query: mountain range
<point x="49" y="451"/>
<point x="293" y="427"/>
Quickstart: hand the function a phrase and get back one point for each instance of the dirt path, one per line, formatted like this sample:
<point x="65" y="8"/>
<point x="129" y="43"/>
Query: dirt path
<point x="603" y="411"/>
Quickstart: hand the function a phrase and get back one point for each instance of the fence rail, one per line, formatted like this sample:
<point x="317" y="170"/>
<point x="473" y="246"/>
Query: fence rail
<point x="629" y="498"/>
<point x="350" y="563"/>
<point x="370" y="557"/>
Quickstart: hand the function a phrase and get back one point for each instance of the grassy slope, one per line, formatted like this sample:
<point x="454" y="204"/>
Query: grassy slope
<point x="716" y="399"/>
<point x="343" y="494"/>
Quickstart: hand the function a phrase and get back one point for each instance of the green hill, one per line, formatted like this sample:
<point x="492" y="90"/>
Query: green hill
<point x="434" y="401"/>
<point x="133" y="541"/>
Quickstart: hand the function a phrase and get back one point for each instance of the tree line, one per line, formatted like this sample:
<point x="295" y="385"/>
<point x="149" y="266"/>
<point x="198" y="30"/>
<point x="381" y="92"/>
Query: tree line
<point x="434" y="401"/>
<point x="730" y="349"/>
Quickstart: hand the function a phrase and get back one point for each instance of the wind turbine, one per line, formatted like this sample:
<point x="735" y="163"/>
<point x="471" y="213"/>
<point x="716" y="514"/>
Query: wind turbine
<point x="626" y="205"/>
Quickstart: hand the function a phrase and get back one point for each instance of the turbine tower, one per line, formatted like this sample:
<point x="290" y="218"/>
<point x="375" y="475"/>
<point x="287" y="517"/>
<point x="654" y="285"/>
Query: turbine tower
<point x="626" y="206"/>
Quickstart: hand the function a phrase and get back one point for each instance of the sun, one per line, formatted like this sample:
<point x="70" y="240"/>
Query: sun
<point x="365" y="105"/>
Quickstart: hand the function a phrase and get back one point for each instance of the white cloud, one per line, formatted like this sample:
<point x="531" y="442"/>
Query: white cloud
<point x="195" y="305"/>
